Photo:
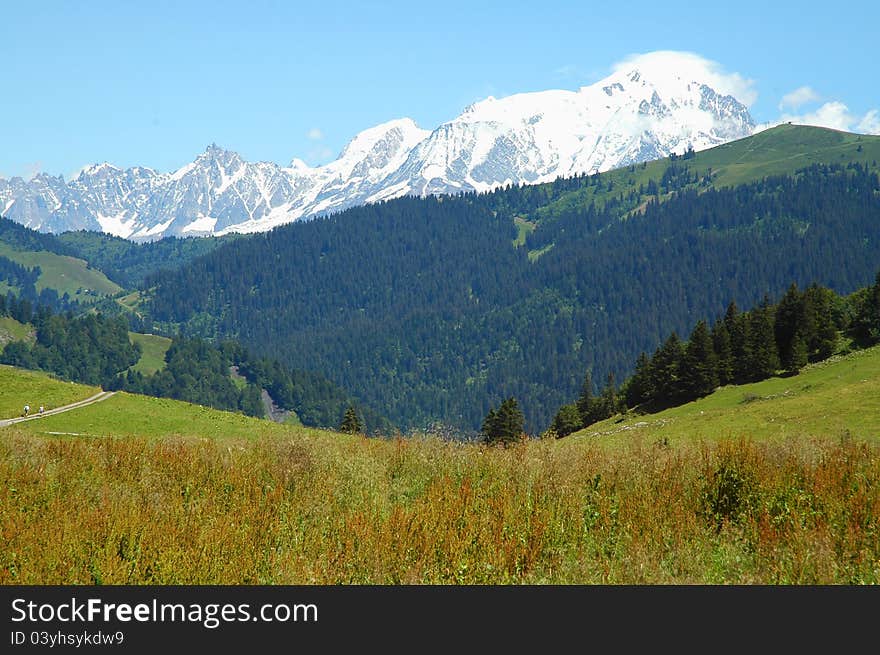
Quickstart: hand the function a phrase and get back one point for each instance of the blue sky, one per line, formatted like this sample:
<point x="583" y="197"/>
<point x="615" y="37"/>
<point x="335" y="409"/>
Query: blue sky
<point x="153" y="83"/>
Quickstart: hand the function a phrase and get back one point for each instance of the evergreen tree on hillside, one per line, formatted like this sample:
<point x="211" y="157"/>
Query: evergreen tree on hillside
<point x="699" y="372"/>
<point x="505" y="424"/>
<point x="609" y="403"/>
<point x="351" y="422"/>
<point x="638" y="388"/>
<point x="737" y="326"/>
<point x="866" y="325"/>
<point x="723" y="352"/>
<point x="790" y="321"/>
<point x="797" y="354"/>
<point x="764" y="360"/>
<point x="819" y="329"/>
<point x="567" y="420"/>
<point x="665" y="369"/>
<point x="586" y="401"/>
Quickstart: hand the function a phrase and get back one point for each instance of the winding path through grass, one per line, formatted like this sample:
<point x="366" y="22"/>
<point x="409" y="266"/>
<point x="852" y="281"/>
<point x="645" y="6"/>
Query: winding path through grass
<point x="98" y="397"/>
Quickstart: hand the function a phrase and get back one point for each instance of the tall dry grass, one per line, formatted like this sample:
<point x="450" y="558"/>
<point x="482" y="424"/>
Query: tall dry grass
<point x="299" y="511"/>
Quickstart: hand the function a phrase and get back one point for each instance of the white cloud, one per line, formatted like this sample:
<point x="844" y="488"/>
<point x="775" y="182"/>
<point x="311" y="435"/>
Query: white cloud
<point x="837" y="116"/>
<point x="315" y="134"/>
<point x="870" y="123"/>
<point x="695" y="67"/>
<point x="799" y="97"/>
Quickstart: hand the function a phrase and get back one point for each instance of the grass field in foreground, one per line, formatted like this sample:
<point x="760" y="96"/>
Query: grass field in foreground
<point x="837" y="396"/>
<point x="163" y="492"/>
<point x="305" y="508"/>
<point x="19" y="387"/>
<point x="153" y="349"/>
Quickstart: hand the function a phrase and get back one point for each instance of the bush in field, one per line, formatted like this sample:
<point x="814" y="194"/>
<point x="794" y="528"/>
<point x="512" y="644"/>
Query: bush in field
<point x="729" y="493"/>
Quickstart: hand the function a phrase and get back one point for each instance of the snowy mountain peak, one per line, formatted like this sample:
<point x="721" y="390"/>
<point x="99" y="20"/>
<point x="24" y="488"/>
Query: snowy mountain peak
<point x="650" y="106"/>
<point x="96" y="170"/>
<point x="223" y="158"/>
<point x="298" y="165"/>
<point x="390" y="135"/>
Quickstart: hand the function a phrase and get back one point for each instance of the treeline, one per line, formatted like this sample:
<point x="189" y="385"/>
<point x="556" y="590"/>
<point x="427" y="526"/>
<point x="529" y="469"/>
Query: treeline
<point x="22" y="238"/>
<point x="422" y="306"/>
<point x="96" y="349"/>
<point x="128" y="263"/>
<point x="91" y="349"/>
<point x="197" y="372"/>
<point x="316" y="400"/>
<point x="21" y="309"/>
<point x="16" y="275"/>
<point x="21" y="282"/>
<point x="741" y="347"/>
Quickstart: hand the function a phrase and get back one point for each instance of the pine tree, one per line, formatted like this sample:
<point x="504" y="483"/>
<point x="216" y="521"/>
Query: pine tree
<point x="866" y="322"/>
<point x="819" y="328"/>
<point x="351" y="422"/>
<point x="764" y="360"/>
<point x="665" y="370"/>
<point x="699" y="374"/>
<point x="797" y="354"/>
<point x="566" y="421"/>
<point x="723" y="352"/>
<point x="586" y="402"/>
<point x="737" y="326"/>
<point x="637" y="389"/>
<point x="609" y="404"/>
<point x="504" y="425"/>
<point x="789" y="321"/>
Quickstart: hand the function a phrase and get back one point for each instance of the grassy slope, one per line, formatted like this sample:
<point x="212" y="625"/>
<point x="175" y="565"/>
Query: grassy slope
<point x="12" y="330"/>
<point x="828" y="399"/>
<point x="153" y="349"/>
<point x="63" y="273"/>
<point x="18" y="387"/>
<point x="779" y="150"/>
<point x="130" y="415"/>
<point x="784" y="149"/>
<point x="523" y="229"/>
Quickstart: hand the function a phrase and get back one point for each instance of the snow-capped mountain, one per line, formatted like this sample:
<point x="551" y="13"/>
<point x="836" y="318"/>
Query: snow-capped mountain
<point x="641" y="112"/>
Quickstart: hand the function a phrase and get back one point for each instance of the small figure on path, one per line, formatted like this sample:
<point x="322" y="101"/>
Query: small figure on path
<point x="27" y="410"/>
<point x="41" y="409"/>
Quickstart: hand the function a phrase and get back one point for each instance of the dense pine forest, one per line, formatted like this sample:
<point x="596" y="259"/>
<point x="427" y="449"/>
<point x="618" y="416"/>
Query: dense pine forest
<point x="427" y="309"/>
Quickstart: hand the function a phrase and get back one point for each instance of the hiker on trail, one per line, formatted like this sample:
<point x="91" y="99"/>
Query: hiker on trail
<point x="27" y="409"/>
<point x="41" y="409"/>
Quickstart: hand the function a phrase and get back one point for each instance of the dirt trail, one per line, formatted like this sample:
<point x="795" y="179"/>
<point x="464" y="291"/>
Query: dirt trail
<point x="98" y="397"/>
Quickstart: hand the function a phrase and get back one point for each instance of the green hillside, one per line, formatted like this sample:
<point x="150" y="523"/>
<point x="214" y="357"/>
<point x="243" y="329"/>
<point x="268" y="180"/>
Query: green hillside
<point x="63" y="273"/>
<point x="12" y="330"/>
<point x="153" y="349"/>
<point x="783" y="150"/>
<point x="131" y="415"/>
<point x="19" y="388"/>
<point x="780" y="150"/>
<point x="838" y="396"/>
